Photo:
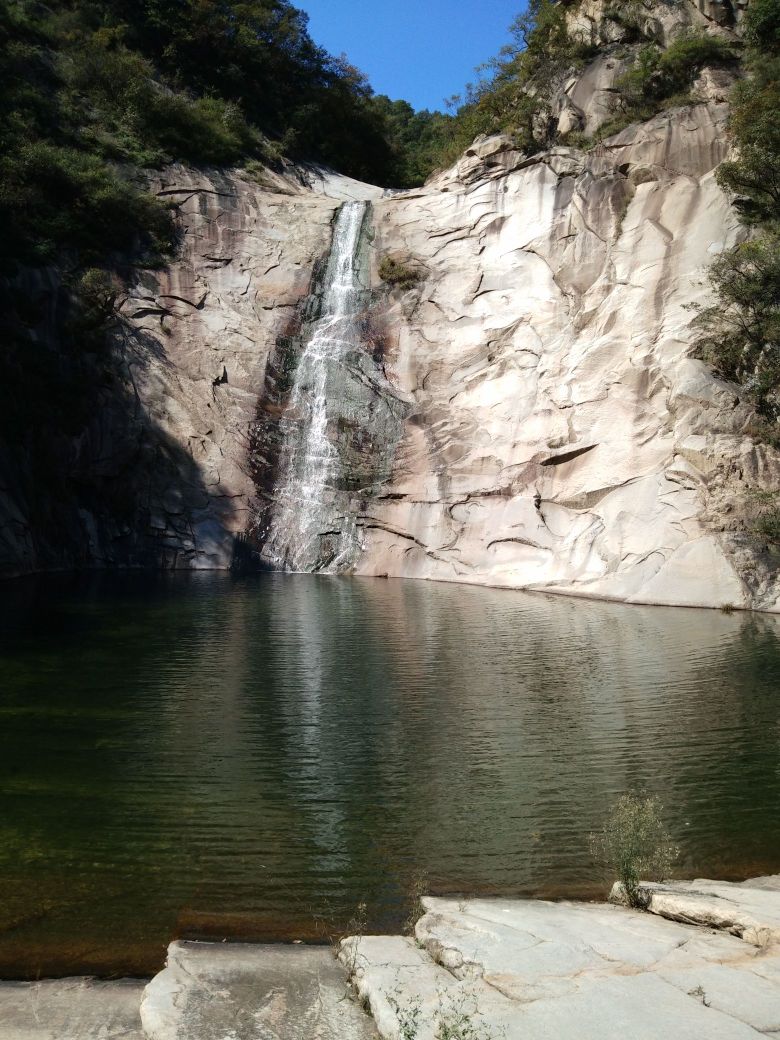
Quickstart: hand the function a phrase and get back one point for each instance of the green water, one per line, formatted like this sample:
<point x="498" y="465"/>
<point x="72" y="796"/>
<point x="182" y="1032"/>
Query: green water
<point x="252" y="757"/>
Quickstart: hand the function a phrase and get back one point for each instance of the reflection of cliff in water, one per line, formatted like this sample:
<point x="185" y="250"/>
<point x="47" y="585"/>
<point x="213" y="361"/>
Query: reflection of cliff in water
<point x="282" y="746"/>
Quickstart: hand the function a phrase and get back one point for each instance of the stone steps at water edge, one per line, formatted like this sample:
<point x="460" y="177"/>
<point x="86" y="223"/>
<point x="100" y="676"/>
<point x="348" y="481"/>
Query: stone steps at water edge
<point x="529" y="969"/>
<point x="503" y="968"/>
<point x="207" y="991"/>
<point x="71" y="1009"/>
<point x="231" y="991"/>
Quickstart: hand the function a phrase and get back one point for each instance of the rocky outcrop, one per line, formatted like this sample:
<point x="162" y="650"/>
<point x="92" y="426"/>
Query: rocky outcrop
<point x="530" y="969"/>
<point x="563" y="438"/>
<point x="604" y="22"/>
<point x="750" y="910"/>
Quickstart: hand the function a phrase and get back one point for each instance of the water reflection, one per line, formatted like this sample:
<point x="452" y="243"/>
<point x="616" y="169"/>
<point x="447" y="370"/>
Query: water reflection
<point x="254" y="754"/>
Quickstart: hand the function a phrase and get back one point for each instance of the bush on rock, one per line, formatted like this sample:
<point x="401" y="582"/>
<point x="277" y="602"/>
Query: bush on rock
<point x="635" y="844"/>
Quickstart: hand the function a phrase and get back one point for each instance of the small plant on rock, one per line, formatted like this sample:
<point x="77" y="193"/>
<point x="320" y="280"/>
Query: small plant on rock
<point x="768" y="526"/>
<point x="396" y="273"/>
<point x="408" y="1014"/>
<point x="455" y="1018"/>
<point x="635" y="843"/>
<point x="418" y="886"/>
<point x="459" y="1019"/>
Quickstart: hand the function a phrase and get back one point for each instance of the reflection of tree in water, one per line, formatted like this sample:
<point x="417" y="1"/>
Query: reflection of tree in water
<point x="728" y="780"/>
<point x="284" y="743"/>
<point x="538" y="712"/>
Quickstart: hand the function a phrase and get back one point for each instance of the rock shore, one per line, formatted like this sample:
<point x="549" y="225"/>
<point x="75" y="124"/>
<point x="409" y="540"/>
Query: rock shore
<point x="536" y="970"/>
<point x="703" y="964"/>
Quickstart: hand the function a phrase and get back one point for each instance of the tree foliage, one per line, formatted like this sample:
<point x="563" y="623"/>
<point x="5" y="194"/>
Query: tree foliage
<point x="740" y="331"/>
<point x="739" y="334"/>
<point x="635" y="844"/>
<point x="659" y="78"/>
<point x="93" y="93"/>
<point x="515" y="90"/>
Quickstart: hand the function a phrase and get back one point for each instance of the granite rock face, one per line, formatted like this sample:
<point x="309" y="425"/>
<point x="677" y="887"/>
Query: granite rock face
<point x="527" y="969"/>
<point x="216" y="991"/>
<point x="169" y="449"/>
<point x="562" y="436"/>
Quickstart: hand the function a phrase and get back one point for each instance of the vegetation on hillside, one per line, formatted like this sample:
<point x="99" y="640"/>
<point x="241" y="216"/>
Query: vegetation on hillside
<point x="659" y="79"/>
<point x="739" y="334"/>
<point x="515" y="90"/>
<point x="94" y="94"/>
<point x="91" y="92"/>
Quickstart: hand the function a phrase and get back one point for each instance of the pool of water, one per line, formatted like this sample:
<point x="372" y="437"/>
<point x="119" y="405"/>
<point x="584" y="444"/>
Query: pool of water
<point x="211" y="755"/>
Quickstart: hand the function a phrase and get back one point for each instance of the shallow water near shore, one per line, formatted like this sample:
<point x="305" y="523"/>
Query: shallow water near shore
<point x="252" y="757"/>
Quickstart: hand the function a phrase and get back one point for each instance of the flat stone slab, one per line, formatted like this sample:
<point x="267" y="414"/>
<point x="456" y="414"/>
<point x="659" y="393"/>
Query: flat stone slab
<point x="231" y="991"/>
<point x="71" y="1009"/>
<point x="532" y="970"/>
<point x="749" y="909"/>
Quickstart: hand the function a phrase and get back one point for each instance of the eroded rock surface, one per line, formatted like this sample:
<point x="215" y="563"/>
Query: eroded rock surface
<point x="563" y="438"/>
<point x="750" y="910"/>
<point x="216" y="991"/>
<point x="71" y="1009"/>
<point x="528" y="969"/>
<point x="162" y="476"/>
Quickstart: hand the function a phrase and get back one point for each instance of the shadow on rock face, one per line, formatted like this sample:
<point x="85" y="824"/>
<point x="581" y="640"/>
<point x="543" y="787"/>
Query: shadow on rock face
<point x="90" y="476"/>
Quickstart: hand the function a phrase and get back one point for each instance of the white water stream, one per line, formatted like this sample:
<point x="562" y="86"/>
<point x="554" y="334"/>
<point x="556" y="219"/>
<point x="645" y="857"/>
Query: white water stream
<point x="301" y="516"/>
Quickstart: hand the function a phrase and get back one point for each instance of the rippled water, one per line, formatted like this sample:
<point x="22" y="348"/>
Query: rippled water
<point x="252" y="757"/>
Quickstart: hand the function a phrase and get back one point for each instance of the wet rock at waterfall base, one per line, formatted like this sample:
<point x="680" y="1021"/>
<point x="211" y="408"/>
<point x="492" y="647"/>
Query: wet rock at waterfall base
<point x="331" y="417"/>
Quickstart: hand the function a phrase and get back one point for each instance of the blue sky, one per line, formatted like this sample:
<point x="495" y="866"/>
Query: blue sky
<point x="420" y="50"/>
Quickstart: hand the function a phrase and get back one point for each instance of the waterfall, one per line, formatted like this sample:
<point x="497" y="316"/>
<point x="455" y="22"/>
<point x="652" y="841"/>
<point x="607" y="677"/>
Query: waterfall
<point x="307" y="529"/>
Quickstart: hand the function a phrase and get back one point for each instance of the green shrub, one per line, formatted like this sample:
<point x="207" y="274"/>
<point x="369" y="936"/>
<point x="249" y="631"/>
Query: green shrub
<point x="762" y="26"/>
<point x="57" y="198"/>
<point x="662" y="79"/>
<point x="739" y="334"/>
<point x="686" y="56"/>
<point x="768" y="526"/>
<point x="136" y="117"/>
<point x="398" y="274"/>
<point x="635" y="844"/>
<point x="754" y="177"/>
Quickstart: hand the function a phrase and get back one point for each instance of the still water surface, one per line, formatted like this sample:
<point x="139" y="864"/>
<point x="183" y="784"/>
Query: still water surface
<point x="210" y="755"/>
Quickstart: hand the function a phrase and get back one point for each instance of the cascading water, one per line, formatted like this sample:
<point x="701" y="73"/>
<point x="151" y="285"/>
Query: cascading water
<point x="306" y="533"/>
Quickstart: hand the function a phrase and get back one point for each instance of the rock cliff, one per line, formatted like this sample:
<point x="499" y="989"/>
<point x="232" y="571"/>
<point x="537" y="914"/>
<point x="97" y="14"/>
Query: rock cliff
<point x="557" y="433"/>
<point x="562" y="436"/>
